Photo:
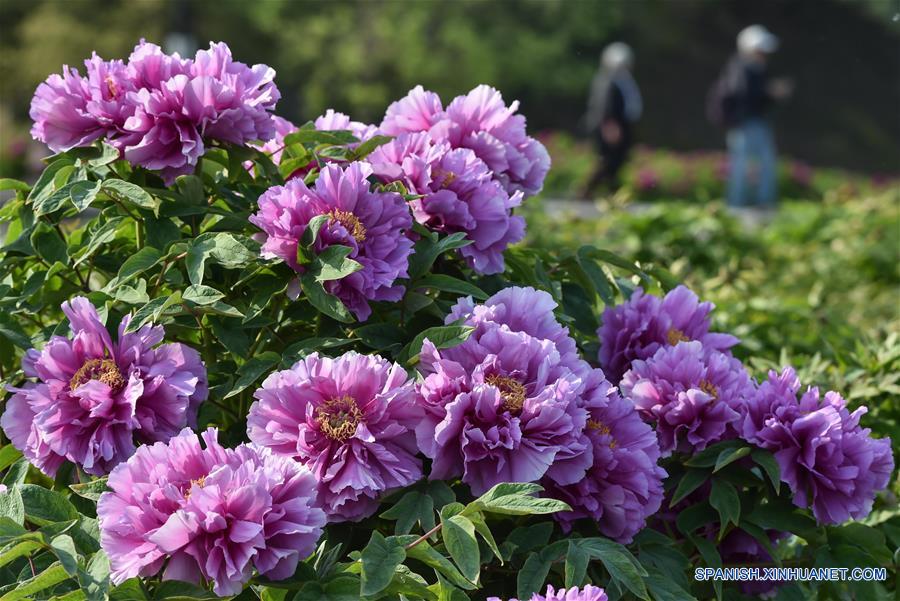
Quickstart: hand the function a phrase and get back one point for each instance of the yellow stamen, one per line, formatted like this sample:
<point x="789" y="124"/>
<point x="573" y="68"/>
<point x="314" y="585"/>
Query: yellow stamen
<point x="709" y="388"/>
<point x="675" y="336"/>
<point x="338" y="418"/>
<point x="102" y="370"/>
<point x="511" y="390"/>
<point x="350" y="222"/>
<point x="603" y="429"/>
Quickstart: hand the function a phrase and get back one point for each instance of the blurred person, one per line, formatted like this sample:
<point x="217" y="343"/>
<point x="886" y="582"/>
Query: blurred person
<point x="614" y="106"/>
<point x="741" y="101"/>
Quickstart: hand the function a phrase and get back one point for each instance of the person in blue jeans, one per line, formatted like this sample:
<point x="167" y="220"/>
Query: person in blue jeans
<point x="747" y="96"/>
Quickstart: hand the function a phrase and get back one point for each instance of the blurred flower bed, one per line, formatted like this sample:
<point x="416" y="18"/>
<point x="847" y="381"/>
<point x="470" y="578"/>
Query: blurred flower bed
<point x="817" y="287"/>
<point x="655" y="174"/>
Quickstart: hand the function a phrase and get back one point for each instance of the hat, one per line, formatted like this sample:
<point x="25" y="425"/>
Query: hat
<point x="757" y="38"/>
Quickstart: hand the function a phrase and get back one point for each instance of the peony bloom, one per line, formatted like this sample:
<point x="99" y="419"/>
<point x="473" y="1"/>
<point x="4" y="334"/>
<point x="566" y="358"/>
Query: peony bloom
<point x="522" y="309"/>
<point x="459" y="194"/>
<point x="690" y="394"/>
<point x="623" y="486"/>
<point x="93" y="397"/>
<point x="350" y="420"/>
<point x="481" y="122"/>
<point x="159" y="110"/>
<point x="637" y="328"/>
<point x="211" y="512"/>
<point x="587" y="593"/>
<point x="372" y="224"/>
<point x="829" y="461"/>
<point x="501" y="408"/>
<point x="275" y="146"/>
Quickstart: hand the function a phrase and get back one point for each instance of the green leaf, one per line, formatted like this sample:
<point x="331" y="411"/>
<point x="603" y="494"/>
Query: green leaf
<point x="123" y="191"/>
<point x="766" y="461"/>
<point x="333" y="264"/>
<point x="426" y="251"/>
<point x="138" y="263"/>
<point x="97" y="236"/>
<point x="441" y="337"/>
<point x="11" y="505"/>
<point x="515" y="499"/>
<point x="7" y="183"/>
<point x="323" y="301"/>
<point x="663" y="587"/>
<point x="83" y="194"/>
<point x="729" y="456"/>
<point x="90" y="490"/>
<point x="368" y="146"/>
<point x="305" y="253"/>
<point x="153" y="311"/>
<point x="252" y="370"/>
<point x="49" y="245"/>
<point x="380" y="559"/>
<point x="14" y="550"/>
<point x="315" y="136"/>
<point x="17" y="473"/>
<point x="429" y="556"/>
<point x="94" y="579"/>
<point x="446" y="283"/>
<point x="64" y="548"/>
<point x="228" y="250"/>
<point x="380" y="336"/>
<point x="620" y="564"/>
<point x="724" y="498"/>
<point x="9" y="455"/>
<point x="44" y="187"/>
<point x="708" y="456"/>
<point x="11" y="330"/>
<point x="481" y="527"/>
<point x="201" y="295"/>
<point x="53" y="202"/>
<point x="49" y="577"/>
<point x="411" y="508"/>
<point x="44" y="506"/>
<point x="576" y="564"/>
<point x="690" y="481"/>
<point x="595" y="275"/>
<point x="531" y="577"/>
<point x="459" y="538"/>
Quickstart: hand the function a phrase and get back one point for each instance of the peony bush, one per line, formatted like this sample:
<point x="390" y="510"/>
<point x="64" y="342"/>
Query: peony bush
<point x="334" y="375"/>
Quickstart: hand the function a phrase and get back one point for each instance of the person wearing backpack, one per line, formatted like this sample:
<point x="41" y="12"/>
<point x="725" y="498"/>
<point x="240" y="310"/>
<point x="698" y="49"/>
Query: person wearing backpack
<point x="741" y="100"/>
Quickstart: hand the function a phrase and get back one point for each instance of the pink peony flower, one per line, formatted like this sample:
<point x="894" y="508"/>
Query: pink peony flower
<point x="212" y="513"/>
<point x="372" y="224"/>
<point x="350" y="420"/>
<point x="92" y="398"/>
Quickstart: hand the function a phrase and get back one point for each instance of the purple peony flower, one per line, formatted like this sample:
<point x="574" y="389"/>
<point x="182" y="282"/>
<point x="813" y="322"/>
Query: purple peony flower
<point x="459" y="194"/>
<point x="214" y="513"/>
<point x="372" y="224"/>
<point x="418" y="111"/>
<point x="637" y="328"/>
<point x="586" y="593"/>
<point x="522" y="309"/>
<point x="689" y="393"/>
<point x="94" y="397"/>
<point x="829" y="461"/>
<point x="623" y="486"/>
<point x="481" y="122"/>
<point x="275" y="146"/>
<point x="350" y="420"/>
<point x="501" y="408"/>
<point x="158" y="110"/>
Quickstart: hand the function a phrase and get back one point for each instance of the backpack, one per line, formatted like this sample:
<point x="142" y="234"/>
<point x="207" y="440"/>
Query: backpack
<point x="721" y="102"/>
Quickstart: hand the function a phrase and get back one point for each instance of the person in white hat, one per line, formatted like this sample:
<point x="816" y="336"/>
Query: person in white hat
<point x="744" y="97"/>
<point x="614" y="107"/>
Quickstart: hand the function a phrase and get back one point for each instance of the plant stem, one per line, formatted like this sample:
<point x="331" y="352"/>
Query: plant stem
<point x="424" y="537"/>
